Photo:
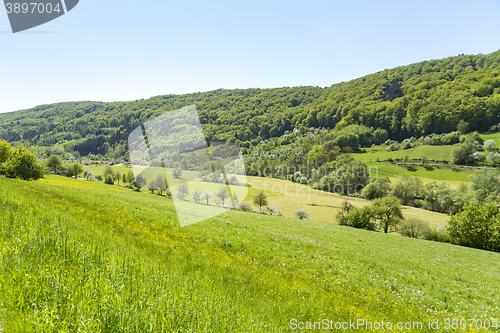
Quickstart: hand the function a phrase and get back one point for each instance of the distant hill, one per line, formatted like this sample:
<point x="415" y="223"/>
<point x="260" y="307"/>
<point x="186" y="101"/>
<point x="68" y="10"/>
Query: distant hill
<point x="419" y="99"/>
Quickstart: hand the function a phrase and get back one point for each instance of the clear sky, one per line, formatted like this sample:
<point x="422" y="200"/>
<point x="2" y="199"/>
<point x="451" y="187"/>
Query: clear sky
<point x="109" y="50"/>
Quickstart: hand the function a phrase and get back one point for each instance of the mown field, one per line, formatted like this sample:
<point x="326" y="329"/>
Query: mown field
<point x="84" y="256"/>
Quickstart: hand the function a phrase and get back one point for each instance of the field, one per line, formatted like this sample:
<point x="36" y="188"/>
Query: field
<point x="289" y="197"/>
<point x="324" y="206"/>
<point x="84" y="256"/>
<point x="375" y="160"/>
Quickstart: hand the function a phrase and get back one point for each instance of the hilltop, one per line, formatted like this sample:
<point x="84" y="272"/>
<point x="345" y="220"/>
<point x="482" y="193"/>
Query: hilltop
<point x="419" y="99"/>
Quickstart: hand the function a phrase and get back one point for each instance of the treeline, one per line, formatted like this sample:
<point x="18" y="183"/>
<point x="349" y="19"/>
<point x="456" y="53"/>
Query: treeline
<point x="484" y="187"/>
<point x="420" y="99"/>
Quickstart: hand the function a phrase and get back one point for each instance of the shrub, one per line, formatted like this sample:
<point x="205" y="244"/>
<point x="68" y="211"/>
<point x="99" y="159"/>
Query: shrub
<point x="418" y="203"/>
<point x="98" y="177"/>
<point x="414" y="228"/>
<point x="360" y="218"/>
<point x="109" y="180"/>
<point x="244" y="206"/>
<point x="301" y="214"/>
<point x="345" y="209"/>
<point x="477" y="226"/>
<point x="272" y="210"/>
<point x="437" y="235"/>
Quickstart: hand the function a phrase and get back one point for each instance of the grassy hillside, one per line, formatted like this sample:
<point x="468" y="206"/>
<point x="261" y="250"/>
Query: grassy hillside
<point x="85" y="256"/>
<point x="375" y="159"/>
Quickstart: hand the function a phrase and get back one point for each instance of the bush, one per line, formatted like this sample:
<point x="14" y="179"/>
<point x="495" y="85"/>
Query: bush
<point x="244" y="206"/>
<point x="418" y="203"/>
<point x="109" y="180"/>
<point x="272" y="210"/>
<point x="414" y="228"/>
<point x="437" y="235"/>
<point x="477" y="226"/>
<point x="301" y="214"/>
<point x="360" y="218"/>
<point x="23" y="164"/>
<point x="98" y="177"/>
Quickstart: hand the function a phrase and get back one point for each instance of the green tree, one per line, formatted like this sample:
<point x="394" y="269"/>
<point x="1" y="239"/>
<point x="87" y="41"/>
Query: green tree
<point x="76" y="169"/>
<point x="23" y="164"/>
<point x="108" y="171"/>
<point x="477" y="226"/>
<point x="124" y="179"/>
<point x="109" y="180"/>
<point x="387" y="211"/>
<point x="5" y="151"/>
<point x="317" y="156"/>
<point x="130" y="178"/>
<point x="117" y="177"/>
<point x="260" y="200"/>
<point x="486" y="186"/>
<point x="430" y="195"/>
<point x="377" y="188"/>
<point x="54" y="163"/>
<point x="407" y="189"/>
<point x="462" y="127"/>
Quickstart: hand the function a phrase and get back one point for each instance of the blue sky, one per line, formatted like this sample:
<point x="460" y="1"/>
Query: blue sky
<point x="110" y="50"/>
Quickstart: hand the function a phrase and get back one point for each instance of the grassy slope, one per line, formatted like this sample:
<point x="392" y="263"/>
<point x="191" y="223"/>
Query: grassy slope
<point x="438" y="153"/>
<point x="81" y="255"/>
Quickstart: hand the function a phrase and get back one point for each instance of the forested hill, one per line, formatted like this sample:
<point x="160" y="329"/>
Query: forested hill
<point x="423" y="98"/>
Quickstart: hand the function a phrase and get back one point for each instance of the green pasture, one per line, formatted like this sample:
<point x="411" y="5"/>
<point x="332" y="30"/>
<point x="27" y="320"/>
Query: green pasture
<point x="85" y="256"/>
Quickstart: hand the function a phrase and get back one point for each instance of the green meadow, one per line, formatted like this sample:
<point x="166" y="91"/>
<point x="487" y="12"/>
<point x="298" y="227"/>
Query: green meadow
<point x="85" y="256"/>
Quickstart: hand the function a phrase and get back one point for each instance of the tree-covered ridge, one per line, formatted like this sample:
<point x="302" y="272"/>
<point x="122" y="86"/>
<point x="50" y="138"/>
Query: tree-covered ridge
<point x="419" y="99"/>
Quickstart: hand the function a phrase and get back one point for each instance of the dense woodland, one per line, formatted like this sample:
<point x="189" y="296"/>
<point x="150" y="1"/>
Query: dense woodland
<point x="415" y="100"/>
